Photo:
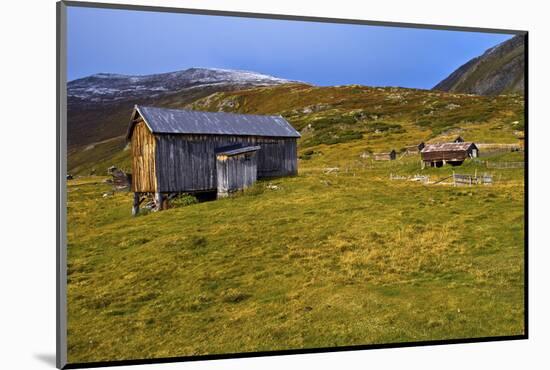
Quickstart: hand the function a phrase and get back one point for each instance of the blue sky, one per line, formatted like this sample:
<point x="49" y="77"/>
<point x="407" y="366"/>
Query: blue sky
<point x="135" y="42"/>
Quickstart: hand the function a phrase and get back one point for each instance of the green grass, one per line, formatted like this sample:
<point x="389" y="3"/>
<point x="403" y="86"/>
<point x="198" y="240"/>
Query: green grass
<point x="324" y="260"/>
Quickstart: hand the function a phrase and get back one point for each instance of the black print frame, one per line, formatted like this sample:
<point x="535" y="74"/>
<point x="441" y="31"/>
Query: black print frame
<point x="219" y="212"/>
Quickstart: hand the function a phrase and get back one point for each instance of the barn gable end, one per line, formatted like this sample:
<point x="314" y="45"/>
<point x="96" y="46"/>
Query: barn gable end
<point x="143" y="142"/>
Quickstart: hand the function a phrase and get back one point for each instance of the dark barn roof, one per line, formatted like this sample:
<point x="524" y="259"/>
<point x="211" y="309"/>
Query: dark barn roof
<point x="178" y="121"/>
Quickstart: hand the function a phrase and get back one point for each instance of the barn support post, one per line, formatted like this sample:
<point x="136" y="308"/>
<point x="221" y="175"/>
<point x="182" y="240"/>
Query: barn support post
<point x="166" y="202"/>
<point x="158" y="201"/>
<point x="135" y="206"/>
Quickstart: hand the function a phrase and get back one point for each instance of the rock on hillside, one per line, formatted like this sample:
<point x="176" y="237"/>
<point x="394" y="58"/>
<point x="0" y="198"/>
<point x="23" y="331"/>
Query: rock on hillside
<point x="500" y="70"/>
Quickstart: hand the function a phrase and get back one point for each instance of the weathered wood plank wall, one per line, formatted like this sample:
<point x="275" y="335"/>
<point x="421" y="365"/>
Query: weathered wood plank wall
<point x="236" y="172"/>
<point x="144" y="177"/>
<point x="188" y="162"/>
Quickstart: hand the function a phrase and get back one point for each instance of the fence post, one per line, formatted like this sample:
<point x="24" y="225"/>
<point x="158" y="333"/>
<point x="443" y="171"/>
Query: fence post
<point x="454" y="179"/>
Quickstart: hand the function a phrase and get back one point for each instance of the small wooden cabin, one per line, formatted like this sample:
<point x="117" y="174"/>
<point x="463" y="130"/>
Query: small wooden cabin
<point x="389" y="156"/>
<point x="237" y="169"/>
<point x="174" y="151"/>
<point x="436" y="155"/>
<point x="458" y="139"/>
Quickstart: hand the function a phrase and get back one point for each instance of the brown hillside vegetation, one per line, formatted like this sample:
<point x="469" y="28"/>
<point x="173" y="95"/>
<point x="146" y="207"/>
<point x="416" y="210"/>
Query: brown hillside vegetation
<point x="370" y="117"/>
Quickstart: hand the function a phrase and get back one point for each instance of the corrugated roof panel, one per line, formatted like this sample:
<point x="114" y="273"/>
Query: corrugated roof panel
<point x="245" y="149"/>
<point x="447" y="147"/>
<point x="178" y="121"/>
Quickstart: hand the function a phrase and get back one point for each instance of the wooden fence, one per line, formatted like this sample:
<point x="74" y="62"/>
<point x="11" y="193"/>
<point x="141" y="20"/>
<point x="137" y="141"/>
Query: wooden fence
<point x="484" y="179"/>
<point x="419" y="178"/>
<point x="490" y="149"/>
<point x="455" y="179"/>
<point x="504" y="164"/>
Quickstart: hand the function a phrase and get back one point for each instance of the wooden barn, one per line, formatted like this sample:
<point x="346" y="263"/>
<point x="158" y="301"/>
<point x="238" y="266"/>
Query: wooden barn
<point x="178" y="151"/>
<point x="389" y="156"/>
<point x="436" y="155"/>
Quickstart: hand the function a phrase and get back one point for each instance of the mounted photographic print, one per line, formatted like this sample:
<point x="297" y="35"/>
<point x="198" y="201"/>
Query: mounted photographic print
<point x="235" y="184"/>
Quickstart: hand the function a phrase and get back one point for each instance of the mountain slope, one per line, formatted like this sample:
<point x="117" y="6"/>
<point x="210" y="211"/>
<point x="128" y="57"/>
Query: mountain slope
<point x="342" y="122"/>
<point x="500" y="70"/>
<point x="99" y="105"/>
<point x="108" y="87"/>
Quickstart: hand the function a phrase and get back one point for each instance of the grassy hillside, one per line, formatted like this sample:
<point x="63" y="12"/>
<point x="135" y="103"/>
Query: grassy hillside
<point x="326" y="259"/>
<point x="322" y="259"/>
<point x="365" y="118"/>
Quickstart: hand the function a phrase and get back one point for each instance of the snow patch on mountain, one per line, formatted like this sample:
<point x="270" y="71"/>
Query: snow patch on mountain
<point x="115" y="87"/>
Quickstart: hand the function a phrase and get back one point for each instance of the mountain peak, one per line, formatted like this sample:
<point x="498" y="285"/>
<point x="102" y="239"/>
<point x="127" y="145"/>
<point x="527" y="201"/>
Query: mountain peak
<point x="108" y="75"/>
<point x="108" y="87"/>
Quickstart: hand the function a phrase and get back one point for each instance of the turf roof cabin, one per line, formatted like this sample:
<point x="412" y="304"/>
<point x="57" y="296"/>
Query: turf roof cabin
<point x="174" y="151"/>
<point x="436" y="155"/>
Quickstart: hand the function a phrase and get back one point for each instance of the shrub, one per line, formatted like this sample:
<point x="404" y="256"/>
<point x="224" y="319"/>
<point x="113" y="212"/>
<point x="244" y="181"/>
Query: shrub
<point x="327" y="122"/>
<point x="234" y="296"/>
<point x="183" y="200"/>
<point x="384" y="127"/>
<point x="256" y="189"/>
<point x="198" y="242"/>
<point x="332" y="137"/>
<point x="308" y="154"/>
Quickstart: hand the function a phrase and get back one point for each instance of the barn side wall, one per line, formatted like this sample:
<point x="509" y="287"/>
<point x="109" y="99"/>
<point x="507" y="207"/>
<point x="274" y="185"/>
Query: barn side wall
<point x="143" y="159"/>
<point x="188" y="162"/>
<point x="445" y="155"/>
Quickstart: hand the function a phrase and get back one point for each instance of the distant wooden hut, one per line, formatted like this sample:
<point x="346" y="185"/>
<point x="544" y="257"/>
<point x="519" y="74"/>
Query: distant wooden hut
<point x="389" y="156"/>
<point x="436" y="155"/>
<point x="458" y="139"/>
<point x="175" y="151"/>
